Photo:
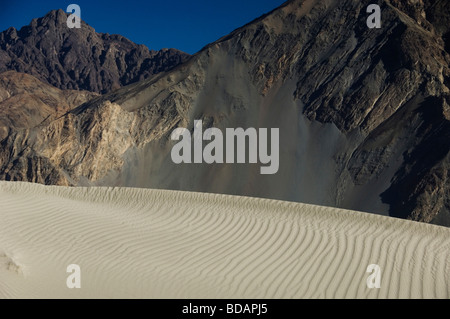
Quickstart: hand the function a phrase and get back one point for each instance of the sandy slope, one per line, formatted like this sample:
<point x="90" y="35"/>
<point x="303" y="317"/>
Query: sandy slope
<point x="158" y="244"/>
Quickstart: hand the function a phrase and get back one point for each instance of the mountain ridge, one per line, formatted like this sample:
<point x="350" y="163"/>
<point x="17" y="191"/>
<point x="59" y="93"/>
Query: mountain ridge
<point x="80" y="58"/>
<point x="361" y="114"/>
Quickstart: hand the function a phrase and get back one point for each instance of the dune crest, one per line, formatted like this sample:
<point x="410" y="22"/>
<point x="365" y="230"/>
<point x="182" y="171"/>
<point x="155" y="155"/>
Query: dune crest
<point x="140" y="243"/>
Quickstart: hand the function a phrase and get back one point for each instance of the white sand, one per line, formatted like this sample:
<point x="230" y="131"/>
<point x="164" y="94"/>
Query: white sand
<point x="163" y="244"/>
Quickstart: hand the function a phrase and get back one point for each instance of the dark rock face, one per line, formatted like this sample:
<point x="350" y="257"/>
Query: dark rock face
<point x="26" y="102"/>
<point x="80" y="59"/>
<point x="364" y="114"/>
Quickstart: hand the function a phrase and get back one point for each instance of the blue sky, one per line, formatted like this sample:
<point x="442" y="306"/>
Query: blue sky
<point x="185" y="25"/>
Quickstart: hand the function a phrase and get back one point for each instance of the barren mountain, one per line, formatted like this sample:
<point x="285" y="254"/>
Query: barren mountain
<point x="80" y="59"/>
<point x="26" y="102"/>
<point x="363" y="114"/>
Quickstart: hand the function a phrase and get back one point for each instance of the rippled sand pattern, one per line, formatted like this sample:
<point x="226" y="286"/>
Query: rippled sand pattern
<point x="137" y="243"/>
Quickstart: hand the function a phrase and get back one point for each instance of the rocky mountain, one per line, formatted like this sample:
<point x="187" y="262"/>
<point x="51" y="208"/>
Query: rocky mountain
<point x="26" y="102"/>
<point x="80" y="59"/>
<point x="363" y="114"/>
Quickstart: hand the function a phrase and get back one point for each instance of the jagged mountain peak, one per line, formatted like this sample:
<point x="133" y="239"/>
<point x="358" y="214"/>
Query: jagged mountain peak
<point x="80" y="59"/>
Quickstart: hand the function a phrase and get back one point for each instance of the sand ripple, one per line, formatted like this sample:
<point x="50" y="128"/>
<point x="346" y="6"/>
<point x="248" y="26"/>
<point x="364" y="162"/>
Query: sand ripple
<point x="139" y="243"/>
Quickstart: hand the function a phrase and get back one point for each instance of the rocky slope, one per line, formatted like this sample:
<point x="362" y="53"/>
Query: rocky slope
<point x="80" y="59"/>
<point x="363" y="114"/>
<point x="26" y="102"/>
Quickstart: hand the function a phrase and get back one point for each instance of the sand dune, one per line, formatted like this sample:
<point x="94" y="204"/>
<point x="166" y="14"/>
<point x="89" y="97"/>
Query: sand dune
<point x="137" y="243"/>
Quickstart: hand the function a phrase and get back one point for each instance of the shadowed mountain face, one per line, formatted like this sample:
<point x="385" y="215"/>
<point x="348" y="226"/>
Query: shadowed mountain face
<point x="80" y="59"/>
<point x="363" y="114"/>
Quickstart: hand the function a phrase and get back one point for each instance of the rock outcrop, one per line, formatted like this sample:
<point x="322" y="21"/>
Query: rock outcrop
<point x="26" y="102"/>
